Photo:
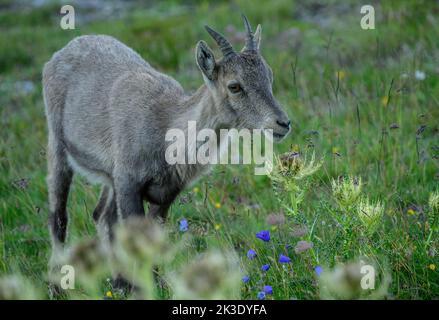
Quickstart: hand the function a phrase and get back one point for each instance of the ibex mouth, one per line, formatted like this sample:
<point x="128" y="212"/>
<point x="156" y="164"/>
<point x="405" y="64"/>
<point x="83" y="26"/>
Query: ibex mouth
<point x="278" y="135"/>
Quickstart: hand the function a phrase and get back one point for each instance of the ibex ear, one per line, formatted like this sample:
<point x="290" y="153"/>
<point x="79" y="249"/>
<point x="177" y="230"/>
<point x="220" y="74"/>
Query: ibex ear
<point x="257" y="36"/>
<point x="205" y="60"/>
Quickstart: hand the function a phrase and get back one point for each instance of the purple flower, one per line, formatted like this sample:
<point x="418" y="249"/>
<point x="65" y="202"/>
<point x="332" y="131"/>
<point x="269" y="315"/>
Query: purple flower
<point x="265" y="267"/>
<point x="251" y="254"/>
<point x="245" y="279"/>
<point x="268" y="290"/>
<point x="284" y="259"/>
<point x="261" y="295"/>
<point x="263" y="235"/>
<point x="183" y="225"/>
<point x="318" y="270"/>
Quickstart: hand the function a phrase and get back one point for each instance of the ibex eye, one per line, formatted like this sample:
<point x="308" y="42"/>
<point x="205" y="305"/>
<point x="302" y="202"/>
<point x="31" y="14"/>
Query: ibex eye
<point x="234" y="87"/>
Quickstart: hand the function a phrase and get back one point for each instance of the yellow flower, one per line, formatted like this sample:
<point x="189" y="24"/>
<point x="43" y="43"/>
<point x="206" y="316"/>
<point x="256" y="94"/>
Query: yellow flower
<point x="340" y="74"/>
<point x="385" y="101"/>
<point x="217" y="226"/>
<point x="217" y="205"/>
<point x="432" y="267"/>
<point x="109" y="294"/>
<point x="411" y="212"/>
<point x="196" y="190"/>
<point x="295" y="148"/>
<point x="273" y="228"/>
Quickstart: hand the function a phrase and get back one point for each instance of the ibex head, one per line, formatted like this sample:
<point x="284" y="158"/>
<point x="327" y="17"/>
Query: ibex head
<point x="241" y="84"/>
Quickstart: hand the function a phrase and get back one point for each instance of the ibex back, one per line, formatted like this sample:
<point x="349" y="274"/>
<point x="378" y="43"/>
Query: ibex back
<point x="108" y="112"/>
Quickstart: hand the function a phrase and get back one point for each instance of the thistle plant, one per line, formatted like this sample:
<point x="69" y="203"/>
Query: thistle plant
<point x="350" y="281"/>
<point x="212" y="275"/>
<point x="15" y="287"/>
<point x="346" y="192"/>
<point x="433" y="215"/>
<point x="290" y="179"/>
<point x="90" y="262"/>
<point x="370" y="214"/>
<point x="433" y="201"/>
<point x="140" y="244"/>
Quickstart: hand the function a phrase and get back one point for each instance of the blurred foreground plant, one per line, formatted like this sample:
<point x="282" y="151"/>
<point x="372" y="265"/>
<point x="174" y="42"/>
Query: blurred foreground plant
<point x="212" y="275"/>
<point x="354" y="280"/>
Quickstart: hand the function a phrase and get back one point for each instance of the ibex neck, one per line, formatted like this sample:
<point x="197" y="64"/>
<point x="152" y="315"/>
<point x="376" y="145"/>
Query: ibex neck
<point x="199" y="107"/>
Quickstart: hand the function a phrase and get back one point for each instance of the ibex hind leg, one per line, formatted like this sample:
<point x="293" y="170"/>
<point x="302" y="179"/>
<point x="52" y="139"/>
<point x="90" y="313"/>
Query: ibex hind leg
<point x="59" y="179"/>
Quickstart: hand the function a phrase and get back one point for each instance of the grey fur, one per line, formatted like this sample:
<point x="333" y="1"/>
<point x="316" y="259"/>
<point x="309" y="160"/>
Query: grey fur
<point x="108" y="112"/>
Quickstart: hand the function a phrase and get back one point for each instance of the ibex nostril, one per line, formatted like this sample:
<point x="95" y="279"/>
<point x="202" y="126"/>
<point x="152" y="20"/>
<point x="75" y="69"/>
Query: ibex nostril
<point x="284" y="124"/>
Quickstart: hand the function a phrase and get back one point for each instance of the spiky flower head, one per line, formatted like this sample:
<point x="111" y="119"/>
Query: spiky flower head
<point x="370" y="214"/>
<point x="346" y="191"/>
<point x="433" y="201"/>
<point x="292" y="165"/>
<point x="140" y="238"/>
<point x="347" y="281"/>
<point x="88" y="258"/>
<point x="213" y="275"/>
<point x="14" y="287"/>
<point x="343" y="282"/>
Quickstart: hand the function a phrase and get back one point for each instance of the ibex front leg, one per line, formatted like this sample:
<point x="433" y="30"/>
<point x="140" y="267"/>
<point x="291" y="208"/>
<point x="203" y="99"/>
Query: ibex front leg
<point x="159" y="211"/>
<point x="128" y="197"/>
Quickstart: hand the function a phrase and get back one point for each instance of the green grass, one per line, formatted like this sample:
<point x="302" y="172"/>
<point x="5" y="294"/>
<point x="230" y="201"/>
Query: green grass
<point x="344" y="119"/>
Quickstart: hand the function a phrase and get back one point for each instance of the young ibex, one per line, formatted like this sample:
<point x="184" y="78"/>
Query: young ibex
<point x="108" y="112"/>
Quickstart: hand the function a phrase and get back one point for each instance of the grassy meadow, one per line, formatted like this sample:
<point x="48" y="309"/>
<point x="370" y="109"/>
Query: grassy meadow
<point x="364" y="106"/>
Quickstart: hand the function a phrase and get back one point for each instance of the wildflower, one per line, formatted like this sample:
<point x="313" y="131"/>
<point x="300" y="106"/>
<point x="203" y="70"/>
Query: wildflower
<point x="370" y="214"/>
<point x="346" y="191"/>
<point x="344" y="282"/>
<point x="318" y="270"/>
<point x="340" y="74"/>
<point x="196" y="189"/>
<point x="217" y="205"/>
<point x="433" y="201"/>
<point x="265" y="267"/>
<point x="22" y="184"/>
<point x="183" y="225"/>
<point x="275" y="219"/>
<point x="245" y="279"/>
<point x="432" y="267"/>
<point x="263" y="235"/>
<point x="140" y="238"/>
<point x="299" y="231"/>
<point x="109" y="295"/>
<point x="88" y="258"/>
<point x="303" y="246"/>
<point x="411" y="212"/>
<point x="420" y="75"/>
<point x="251" y="254"/>
<point x="261" y="295"/>
<point x="14" y="287"/>
<point x="212" y="275"/>
<point x="336" y="151"/>
<point x="284" y="259"/>
<point x="268" y="290"/>
<point x="385" y="101"/>
<point x="291" y="164"/>
<point x="217" y="226"/>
